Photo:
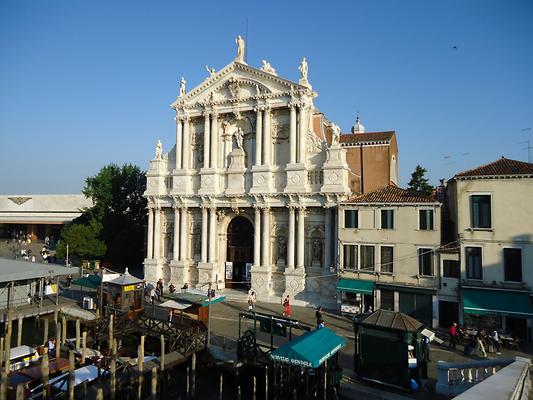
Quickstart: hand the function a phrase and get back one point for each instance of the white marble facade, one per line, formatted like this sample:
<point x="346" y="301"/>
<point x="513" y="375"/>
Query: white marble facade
<point x="248" y="144"/>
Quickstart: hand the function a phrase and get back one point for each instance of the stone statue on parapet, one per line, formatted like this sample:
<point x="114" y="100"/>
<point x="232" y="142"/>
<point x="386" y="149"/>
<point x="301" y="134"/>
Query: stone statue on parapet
<point x="304" y="69"/>
<point x="268" y="68"/>
<point x="182" y="86"/>
<point x="210" y="70"/>
<point x="335" y="135"/>
<point x="159" y="150"/>
<point x="240" y="49"/>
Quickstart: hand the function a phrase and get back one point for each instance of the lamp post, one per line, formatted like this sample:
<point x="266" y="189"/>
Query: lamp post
<point x="209" y="316"/>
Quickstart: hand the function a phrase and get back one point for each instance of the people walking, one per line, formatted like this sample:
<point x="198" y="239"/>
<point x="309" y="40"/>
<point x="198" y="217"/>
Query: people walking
<point x="170" y="316"/>
<point x="496" y="341"/>
<point x="287" y="307"/>
<point x="318" y="315"/>
<point x="251" y="301"/>
<point x="453" y="336"/>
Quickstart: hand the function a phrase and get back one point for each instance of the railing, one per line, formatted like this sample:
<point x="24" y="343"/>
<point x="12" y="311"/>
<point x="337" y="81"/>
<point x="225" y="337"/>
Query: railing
<point x="456" y="378"/>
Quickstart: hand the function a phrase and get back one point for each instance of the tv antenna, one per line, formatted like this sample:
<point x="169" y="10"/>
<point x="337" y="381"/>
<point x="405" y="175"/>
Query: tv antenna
<point x="528" y="142"/>
<point x="247" y="43"/>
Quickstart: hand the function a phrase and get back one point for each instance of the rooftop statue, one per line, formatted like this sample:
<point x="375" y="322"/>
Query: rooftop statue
<point x="240" y="49"/>
<point x="182" y="86"/>
<point x="268" y="68"/>
<point x="210" y="70"/>
<point x="336" y="134"/>
<point x="159" y="150"/>
<point x="304" y="69"/>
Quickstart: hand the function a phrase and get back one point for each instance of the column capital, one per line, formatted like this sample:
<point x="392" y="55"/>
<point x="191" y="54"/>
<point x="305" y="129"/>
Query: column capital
<point x="293" y="104"/>
<point x="259" y="108"/>
<point x="207" y="113"/>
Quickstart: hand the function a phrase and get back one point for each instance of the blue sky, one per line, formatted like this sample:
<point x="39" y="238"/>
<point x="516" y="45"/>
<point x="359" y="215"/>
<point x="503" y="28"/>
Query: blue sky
<point x="84" y="84"/>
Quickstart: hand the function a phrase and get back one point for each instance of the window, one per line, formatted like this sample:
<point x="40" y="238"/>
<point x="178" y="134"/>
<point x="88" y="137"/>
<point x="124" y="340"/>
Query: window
<point x="480" y="211"/>
<point x="473" y="263"/>
<point x="387" y="219"/>
<point x="425" y="262"/>
<point x="451" y="268"/>
<point x="351" y="219"/>
<point x="512" y="265"/>
<point x="350" y="256"/>
<point x="367" y="258"/>
<point x="387" y="256"/>
<point x="425" y="220"/>
<point x="387" y="300"/>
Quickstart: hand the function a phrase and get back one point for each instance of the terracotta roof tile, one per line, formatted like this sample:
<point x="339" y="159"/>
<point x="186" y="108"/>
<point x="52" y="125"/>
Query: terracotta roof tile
<point x="356" y="138"/>
<point x="503" y="166"/>
<point x="392" y="194"/>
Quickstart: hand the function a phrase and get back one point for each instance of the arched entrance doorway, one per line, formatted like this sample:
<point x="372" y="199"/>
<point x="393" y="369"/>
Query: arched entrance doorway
<point x="239" y="252"/>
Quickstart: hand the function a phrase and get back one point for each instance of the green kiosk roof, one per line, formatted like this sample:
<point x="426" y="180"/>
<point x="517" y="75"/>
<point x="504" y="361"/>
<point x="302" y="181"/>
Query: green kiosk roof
<point x="309" y="350"/>
<point x="355" y="286"/>
<point x="195" y="298"/>
<point x="487" y="301"/>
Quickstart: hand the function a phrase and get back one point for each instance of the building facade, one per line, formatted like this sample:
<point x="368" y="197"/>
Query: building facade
<point x="492" y="218"/>
<point x="388" y="242"/>
<point x="248" y="194"/>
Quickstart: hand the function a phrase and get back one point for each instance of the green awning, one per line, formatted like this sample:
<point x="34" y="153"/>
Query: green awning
<point x="355" y="286"/>
<point x="91" y="281"/>
<point x="194" y="298"/>
<point x="486" y="301"/>
<point x="309" y="350"/>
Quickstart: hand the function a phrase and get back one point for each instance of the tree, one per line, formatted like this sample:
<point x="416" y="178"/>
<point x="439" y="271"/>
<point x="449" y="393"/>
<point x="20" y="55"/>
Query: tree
<point x="418" y="183"/>
<point x="83" y="241"/>
<point x="119" y="209"/>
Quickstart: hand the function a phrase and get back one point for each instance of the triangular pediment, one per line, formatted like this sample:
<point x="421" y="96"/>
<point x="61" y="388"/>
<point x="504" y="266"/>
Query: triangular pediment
<point x="238" y="82"/>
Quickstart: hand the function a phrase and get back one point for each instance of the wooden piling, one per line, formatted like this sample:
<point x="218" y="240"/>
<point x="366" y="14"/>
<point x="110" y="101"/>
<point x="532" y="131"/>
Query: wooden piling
<point x="266" y="382"/>
<point x="9" y="330"/>
<point x="84" y="347"/>
<point x="84" y="387"/>
<point x="20" y="392"/>
<point x="154" y="384"/>
<point x="7" y="353"/>
<point x="45" y="372"/>
<point x="188" y="383"/>
<point x="325" y="380"/>
<point x="3" y="385"/>
<point x="100" y="394"/>
<point x="64" y="326"/>
<point x="140" y="366"/>
<point x="58" y="340"/>
<point x="162" y="358"/>
<point x="56" y="315"/>
<point x="1" y="351"/>
<point x="45" y="333"/>
<point x="239" y="392"/>
<point x="19" y="331"/>
<point x="221" y="386"/>
<point x="71" y="375"/>
<point x="294" y="395"/>
<point x="78" y="334"/>
<point x="113" y="383"/>
<point x="193" y="380"/>
<point x="111" y="317"/>
<point x="254" y="393"/>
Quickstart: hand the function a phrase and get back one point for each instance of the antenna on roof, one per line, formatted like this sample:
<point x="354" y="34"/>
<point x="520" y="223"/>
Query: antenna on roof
<point x="528" y="147"/>
<point x="247" y="43"/>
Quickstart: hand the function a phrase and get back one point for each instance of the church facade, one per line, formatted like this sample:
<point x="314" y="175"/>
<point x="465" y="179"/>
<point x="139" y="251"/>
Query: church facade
<point x="248" y="195"/>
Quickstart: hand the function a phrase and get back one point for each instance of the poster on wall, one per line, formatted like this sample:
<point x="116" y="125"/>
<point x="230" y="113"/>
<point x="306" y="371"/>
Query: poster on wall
<point x="229" y="270"/>
<point x="248" y="272"/>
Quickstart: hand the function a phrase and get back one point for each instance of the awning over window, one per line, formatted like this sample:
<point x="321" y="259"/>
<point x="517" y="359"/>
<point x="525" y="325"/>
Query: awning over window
<point x="355" y="286"/>
<point x="486" y="301"/>
<point x="309" y="350"/>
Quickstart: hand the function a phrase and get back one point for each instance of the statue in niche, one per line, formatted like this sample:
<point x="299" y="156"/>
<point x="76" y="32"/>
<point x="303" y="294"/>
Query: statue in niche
<point x="317" y="250"/>
<point x="240" y="49"/>
<point x="282" y="248"/>
<point x="336" y="135"/>
<point x="304" y="69"/>
<point x="182" y="86"/>
<point x="239" y="138"/>
<point x="159" y="150"/>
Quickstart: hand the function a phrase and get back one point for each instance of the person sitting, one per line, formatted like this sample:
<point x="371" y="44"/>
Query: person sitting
<point x="171" y="288"/>
<point x="185" y="287"/>
<point x="320" y="324"/>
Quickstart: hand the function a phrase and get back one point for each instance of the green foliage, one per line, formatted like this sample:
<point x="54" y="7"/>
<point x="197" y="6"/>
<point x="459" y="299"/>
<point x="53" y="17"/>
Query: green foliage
<point x="119" y="209"/>
<point x="419" y="183"/>
<point x="83" y="241"/>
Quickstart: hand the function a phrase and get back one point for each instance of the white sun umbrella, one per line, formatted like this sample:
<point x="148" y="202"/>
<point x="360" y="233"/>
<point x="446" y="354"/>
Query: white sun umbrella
<point x="175" y="305"/>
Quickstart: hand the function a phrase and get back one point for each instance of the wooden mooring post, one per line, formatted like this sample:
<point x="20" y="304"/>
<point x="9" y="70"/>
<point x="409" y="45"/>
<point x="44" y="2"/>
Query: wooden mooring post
<point x="140" y="366"/>
<point x="110" y="338"/>
<point x="71" y="375"/>
<point x="20" y="392"/>
<point x="45" y="373"/>
<point x="154" y="384"/>
<point x="78" y="330"/>
<point x="45" y="333"/>
<point x="1" y="351"/>
<point x="19" y="330"/>
<point x="7" y="353"/>
<point x="58" y="340"/>
<point x="266" y="382"/>
<point x="254" y="393"/>
<point x="100" y="394"/>
<point x="221" y="385"/>
<point x="193" y="378"/>
<point x="188" y="383"/>
<point x="3" y="384"/>
<point x="64" y="326"/>
<point x="113" y="380"/>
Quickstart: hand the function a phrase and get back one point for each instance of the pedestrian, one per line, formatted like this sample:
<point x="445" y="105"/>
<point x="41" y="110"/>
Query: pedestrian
<point x="160" y="288"/>
<point x="318" y="315"/>
<point x="250" y="301"/>
<point x="320" y="324"/>
<point x="453" y="336"/>
<point x="69" y="280"/>
<point x="425" y="346"/>
<point x="152" y="295"/>
<point x="171" y="288"/>
<point x="170" y="316"/>
<point x="480" y="346"/>
<point x="496" y="341"/>
<point x="287" y="307"/>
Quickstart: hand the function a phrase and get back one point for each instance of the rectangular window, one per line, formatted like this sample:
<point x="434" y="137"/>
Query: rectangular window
<point x="480" y="211"/>
<point x="425" y="262"/>
<point x="451" y="268"/>
<point x="351" y="219"/>
<point x="387" y="256"/>
<point x="387" y="219"/>
<point x="473" y="263"/>
<point x="512" y="264"/>
<point x="387" y="300"/>
<point x="425" y="220"/>
<point x="367" y="258"/>
<point x="350" y="256"/>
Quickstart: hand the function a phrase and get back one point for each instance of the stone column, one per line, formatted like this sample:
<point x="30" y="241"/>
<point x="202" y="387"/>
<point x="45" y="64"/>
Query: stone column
<point x="186" y="150"/>
<point x="290" y="245"/>
<point x="300" y="258"/>
<point x="179" y="144"/>
<point x="267" y="138"/>
<point x="184" y="235"/>
<point x="212" y="233"/>
<point x="266" y="238"/>
<point x="302" y="133"/>
<point x="175" y="248"/>
<point x="214" y="141"/>
<point x="257" y="238"/>
<point x="204" y="234"/>
<point x="207" y="138"/>
<point x="150" y="240"/>
<point x="292" y="135"/>
<point x="258" y="135"/>
<point x="327" y="238"/>
<point x="157" y="232"/>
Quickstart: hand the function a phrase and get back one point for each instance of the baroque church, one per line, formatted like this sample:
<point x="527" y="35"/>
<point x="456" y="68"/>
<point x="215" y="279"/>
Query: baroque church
<point x="248" y="195"/>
